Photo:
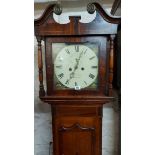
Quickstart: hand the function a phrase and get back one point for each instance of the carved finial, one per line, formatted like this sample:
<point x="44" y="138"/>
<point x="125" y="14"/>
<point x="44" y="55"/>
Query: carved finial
<point x="91" y="8"/>
<point x="57" y="9"/>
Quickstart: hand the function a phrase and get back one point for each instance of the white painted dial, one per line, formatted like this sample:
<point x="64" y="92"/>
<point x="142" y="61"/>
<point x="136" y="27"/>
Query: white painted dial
<point x="76" y="66"/>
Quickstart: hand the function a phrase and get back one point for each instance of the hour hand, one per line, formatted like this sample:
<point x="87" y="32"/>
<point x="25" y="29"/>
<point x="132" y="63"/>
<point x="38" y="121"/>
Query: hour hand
<point x="77" y="62"/>
<point x="71" y="75"/>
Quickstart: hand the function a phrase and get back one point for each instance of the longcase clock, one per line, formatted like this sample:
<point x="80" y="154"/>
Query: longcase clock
<point x="79" y="60"/>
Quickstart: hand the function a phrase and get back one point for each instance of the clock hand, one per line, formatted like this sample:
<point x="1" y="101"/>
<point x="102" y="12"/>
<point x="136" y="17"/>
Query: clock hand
<point x="75" y="67"/>
<point x="77" y="60"/>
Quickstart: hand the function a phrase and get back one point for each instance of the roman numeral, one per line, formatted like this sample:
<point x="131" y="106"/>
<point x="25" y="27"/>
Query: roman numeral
<point x="61" y="75"/>
<point x="94" y="67"/>
<point x="77" y="48"/>
<point x="91" y="76"/>
<point x="60" y="66"/>
<point x="68" y="52"/>
<point x="85" y="82"/>
<point x="67" y="82"/>
<point x="85" y="51"/>
<point x="76" y="84"/>
<point x="92" y="58"/>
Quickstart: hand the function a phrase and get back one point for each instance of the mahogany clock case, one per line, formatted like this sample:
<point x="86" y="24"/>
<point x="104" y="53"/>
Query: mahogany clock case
<point x="77" y="115"/>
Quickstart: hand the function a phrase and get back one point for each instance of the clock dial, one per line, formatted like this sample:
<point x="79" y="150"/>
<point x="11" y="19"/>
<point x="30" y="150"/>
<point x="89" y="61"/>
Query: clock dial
<point x="76" y="66"/>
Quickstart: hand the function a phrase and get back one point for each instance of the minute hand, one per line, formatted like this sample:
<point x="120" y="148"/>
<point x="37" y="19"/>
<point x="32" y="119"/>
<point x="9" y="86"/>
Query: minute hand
<point x="77" y="61"/>
<point x="76" y="66"/>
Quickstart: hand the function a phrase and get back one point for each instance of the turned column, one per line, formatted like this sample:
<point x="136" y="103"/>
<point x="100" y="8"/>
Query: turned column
<point x="40" y="67"/>
<point x="111" y="63"/>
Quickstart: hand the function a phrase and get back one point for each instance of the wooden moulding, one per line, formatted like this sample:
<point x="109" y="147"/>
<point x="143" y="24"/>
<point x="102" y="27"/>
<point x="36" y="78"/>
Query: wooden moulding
<point x="72" y="100"/>
<point x="102" y="24"/>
